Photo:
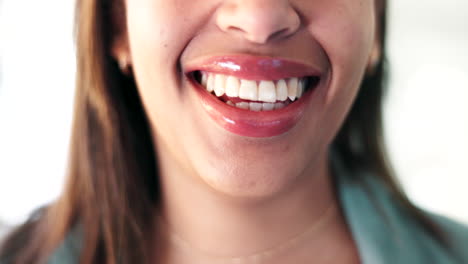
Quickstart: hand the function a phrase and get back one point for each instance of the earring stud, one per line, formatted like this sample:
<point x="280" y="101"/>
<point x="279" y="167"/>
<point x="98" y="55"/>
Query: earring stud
<point x="373" y="61"/>
<point x="124" y="65"/>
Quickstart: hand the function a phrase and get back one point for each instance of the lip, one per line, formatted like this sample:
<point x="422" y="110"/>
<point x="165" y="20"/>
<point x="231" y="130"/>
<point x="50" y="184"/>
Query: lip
<point x="253" y="67"/>
<point x="245" y="122"/>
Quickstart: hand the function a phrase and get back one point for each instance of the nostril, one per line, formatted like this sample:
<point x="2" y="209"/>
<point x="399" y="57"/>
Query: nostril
<point x="236" y="29"/>
<point x="279" y="34"/>
<point x="258" y="36"/>
<point x="258" y="22"/>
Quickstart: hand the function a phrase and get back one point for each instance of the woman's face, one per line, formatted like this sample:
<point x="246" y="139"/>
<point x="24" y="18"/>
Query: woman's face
<point x="256" y="54"/>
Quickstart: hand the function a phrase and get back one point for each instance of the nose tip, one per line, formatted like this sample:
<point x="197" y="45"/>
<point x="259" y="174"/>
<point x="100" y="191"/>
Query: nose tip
<point x="258" y="21"/>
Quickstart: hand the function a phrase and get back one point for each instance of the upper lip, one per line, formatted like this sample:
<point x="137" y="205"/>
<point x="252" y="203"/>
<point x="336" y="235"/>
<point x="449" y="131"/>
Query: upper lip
<point x="253" y="67"/>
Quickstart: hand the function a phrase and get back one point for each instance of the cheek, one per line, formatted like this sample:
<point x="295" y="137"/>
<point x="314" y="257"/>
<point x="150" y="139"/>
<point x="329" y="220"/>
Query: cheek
<point x="347" y="36"/>
<point x="156" y="36"/>
<point x="158" y="32"/>
<point x="345" y="32"/>
<point x="163" y="28"/>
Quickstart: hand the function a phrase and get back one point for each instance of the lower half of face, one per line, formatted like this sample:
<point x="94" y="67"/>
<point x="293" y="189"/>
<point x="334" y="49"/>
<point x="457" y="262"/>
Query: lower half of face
<point x="247" y="96"/>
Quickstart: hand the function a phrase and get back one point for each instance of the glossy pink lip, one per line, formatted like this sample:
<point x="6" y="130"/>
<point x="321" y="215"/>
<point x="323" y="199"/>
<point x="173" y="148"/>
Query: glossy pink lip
<point x="245" y="122"/>
<point x="253" y="67"/>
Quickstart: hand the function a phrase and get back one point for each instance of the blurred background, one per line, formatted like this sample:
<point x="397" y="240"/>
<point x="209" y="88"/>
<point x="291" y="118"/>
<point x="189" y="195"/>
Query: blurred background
<point x="426" y="111"/>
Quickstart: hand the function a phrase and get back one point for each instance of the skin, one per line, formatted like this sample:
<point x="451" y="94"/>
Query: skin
<point x="248" y="194"/>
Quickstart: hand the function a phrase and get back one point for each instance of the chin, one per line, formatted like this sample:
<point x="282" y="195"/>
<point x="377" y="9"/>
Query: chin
<point x="241" y="177"/>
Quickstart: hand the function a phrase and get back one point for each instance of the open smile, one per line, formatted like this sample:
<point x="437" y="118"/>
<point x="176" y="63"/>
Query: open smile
<point x="253" y="96"/>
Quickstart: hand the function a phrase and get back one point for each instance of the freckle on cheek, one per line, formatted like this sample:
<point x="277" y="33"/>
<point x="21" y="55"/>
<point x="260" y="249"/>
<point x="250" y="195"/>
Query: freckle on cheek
<point x="286" y="149"/>
<point x="251" y="184"/>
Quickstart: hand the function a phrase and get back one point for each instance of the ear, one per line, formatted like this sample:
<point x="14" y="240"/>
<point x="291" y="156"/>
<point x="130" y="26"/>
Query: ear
<point x="120" y="51"/>
<point x="374" y="56"/>
<point x="376" y="51"/>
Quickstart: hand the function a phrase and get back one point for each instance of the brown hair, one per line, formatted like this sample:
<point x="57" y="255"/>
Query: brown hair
<point x="112" y="185"/>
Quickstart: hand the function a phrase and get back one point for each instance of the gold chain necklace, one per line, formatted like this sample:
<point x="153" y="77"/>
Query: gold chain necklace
<point x="256" y="257"/>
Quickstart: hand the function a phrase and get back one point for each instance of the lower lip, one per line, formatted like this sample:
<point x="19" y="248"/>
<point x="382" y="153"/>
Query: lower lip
<point x="248" y="123"/>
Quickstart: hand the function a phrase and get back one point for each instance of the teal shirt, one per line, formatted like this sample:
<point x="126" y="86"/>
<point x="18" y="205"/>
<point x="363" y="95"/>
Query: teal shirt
<point x="383" y="231"/>
<point x="386" y="234"/>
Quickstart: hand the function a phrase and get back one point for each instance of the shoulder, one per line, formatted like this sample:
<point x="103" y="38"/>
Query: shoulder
<point x="69" y="250"/>
<point x="20" y="243"/>
<point x="456" y="233"/>
<point x="15" y="242"/>
<point x="388" y="232"/>
<point x="420" y="245"/>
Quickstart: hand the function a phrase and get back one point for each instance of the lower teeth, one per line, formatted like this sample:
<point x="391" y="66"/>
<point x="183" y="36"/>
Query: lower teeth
<point x="255" y="106"/>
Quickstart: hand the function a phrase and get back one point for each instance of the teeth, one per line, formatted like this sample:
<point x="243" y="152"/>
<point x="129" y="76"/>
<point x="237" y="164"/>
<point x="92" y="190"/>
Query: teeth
<point x="300" y="88"/>
<point x="268" y="106"/>
<point x="281" y="90"/>
<point x="204" y="79"/>
<point x="267" y="91"/>
<point x="292" y="88"/>
<point x="248" y="90"/>
<point x="219" y="84"/>
<point x="256" y="107"/>
<point x="242" y="105"/>
<point x="210" y="82"/>
<point x="232" y="86"/>
<point x="271" y="94"/>
<point x="279" y="105"/>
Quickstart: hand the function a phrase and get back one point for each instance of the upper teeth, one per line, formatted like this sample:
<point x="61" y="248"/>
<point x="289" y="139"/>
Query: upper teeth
<point x="268" y="91"/>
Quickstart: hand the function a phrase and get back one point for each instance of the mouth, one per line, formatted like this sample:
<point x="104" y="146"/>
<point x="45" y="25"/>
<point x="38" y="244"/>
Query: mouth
<point x="254" y="96"/>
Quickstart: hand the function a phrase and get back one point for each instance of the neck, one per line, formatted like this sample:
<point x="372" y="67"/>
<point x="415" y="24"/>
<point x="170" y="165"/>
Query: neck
<point x="202" y="224"/>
